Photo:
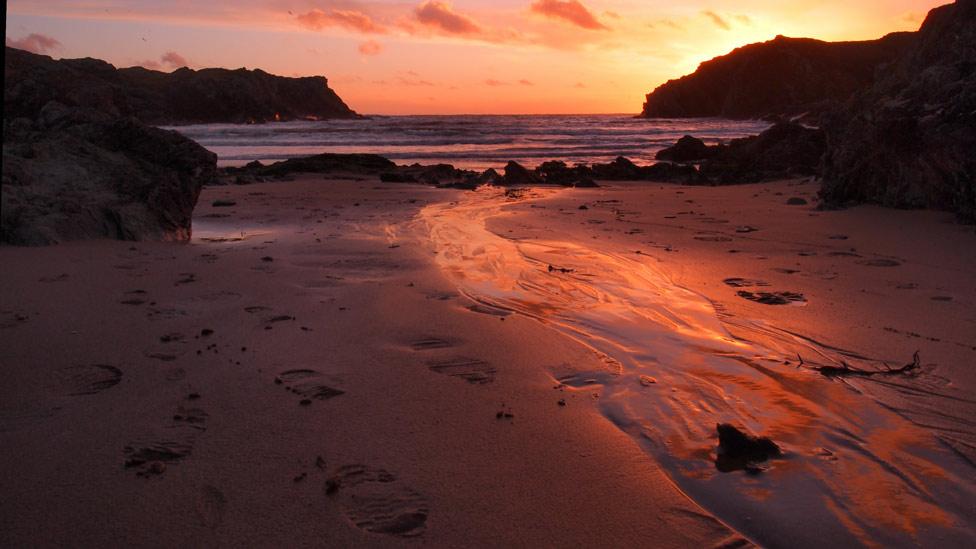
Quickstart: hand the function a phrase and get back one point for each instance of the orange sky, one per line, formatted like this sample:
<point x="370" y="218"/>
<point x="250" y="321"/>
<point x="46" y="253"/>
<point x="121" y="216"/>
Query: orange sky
<point x="439" y="56"/>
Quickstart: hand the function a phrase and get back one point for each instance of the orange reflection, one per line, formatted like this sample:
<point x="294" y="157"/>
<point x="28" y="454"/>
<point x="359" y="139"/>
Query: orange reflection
<point x="884" y="479"/>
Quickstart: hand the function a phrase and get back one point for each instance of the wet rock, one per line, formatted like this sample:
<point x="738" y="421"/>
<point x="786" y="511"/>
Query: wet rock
<point x="796" y="201"/>
<point x="517" y="174"/>
<point x="223" y="203"/>
<point x="329" y="163"/>
<point x="397" y="177"/>
<point x="621" y="169"/>
<point x="786" y="150"/>
<point x="740" y="451"/>
<point x="687" y="149"/>
<point x="585" y="183"/>
<point x="671" y="173"/>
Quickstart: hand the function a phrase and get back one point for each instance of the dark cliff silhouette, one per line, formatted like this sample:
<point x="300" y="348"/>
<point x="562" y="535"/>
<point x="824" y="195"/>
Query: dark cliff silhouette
<point x="781" y="77"/>
<point x="183" y="96"/>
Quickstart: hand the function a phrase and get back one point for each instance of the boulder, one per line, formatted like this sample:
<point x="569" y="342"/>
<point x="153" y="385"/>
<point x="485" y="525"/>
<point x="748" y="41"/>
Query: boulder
<point x="73" y="173"/>
<point x="687" y="149"/>
<point x="666" y="172"/>
<point x="786" y="150"/>
<point x="517" y="174"/>
<point x="621" y="169"/>
<point x="326" y="163"/>
<point x="909" y="140"/>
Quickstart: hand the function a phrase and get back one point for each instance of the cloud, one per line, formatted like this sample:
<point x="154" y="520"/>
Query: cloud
<point x="744" y="19"/>
<point x="717" y="19"/>
<point x="36" y="43"/>
<point x="525" y="82"/>
<point x="347" y="19"/>
<point x="568" y="10"/>
<point x="495" y="83"/>
<point x="411" y="78"/>
<point x="173" y="59"/>
<point x="370" y="47"/>
<point x="170" y="59"/>
<point x="442" y="16"/>
<point x="579" y="85"/>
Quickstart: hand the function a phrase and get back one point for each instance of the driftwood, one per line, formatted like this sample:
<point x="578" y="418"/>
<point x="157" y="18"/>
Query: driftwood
<point x="846" y="370"/>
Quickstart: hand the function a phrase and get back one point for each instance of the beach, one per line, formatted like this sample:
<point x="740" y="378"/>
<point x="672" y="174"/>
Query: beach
<point x="313" y="369"/>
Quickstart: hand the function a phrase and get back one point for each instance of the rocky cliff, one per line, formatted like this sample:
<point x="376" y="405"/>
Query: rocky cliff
<point x="184" y="96"/>
<point x="781" y="77"/>
<point x="910" y="139"/>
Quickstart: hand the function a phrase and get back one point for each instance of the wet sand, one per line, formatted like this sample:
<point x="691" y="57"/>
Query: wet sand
<point x="673" y="286"/>
<point x="308" y="371"/>
<point x="105" y="364"/>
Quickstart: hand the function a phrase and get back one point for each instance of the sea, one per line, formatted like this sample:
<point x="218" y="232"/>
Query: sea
<point x="467" y="141"/>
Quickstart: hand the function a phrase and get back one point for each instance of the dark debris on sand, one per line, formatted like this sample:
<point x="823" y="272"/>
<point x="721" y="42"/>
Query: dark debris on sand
<point x="739" y="451"/>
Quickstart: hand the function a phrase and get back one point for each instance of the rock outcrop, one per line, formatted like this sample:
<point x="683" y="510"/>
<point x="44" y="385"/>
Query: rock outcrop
<point x="183" y="96"/>
<point x="785" y="150"/>
<point x="781" y="77"/>
<point x="687" y="149"/>
<point x="71" y="173"/>
<point x="909" y="140"/>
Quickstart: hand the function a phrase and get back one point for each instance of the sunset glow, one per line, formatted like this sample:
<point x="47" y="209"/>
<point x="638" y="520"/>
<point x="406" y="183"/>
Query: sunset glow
<point x="438" y="56"/>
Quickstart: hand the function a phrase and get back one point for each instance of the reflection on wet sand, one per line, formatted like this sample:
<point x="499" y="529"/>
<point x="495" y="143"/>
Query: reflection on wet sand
<point x="853" y="472"/>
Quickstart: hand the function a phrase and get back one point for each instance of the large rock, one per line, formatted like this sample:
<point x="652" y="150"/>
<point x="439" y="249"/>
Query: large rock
<point x="785" y="150"/>
<point x="184" y="96"/>
<point x="687" y="149"/>
<point x="71" y="174"/>
<point x="517" y="174"/>
<point x="355" y="163"/>
<point x="909" y="140"/>
<point x="784" y="76"/>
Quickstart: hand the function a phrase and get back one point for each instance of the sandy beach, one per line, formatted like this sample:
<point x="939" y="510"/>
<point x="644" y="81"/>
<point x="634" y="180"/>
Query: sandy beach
<point x="252" y="387"/>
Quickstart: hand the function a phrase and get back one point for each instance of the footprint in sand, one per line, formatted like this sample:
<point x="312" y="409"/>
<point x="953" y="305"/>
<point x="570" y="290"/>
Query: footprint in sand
<point x="89" y="379"/>
<point x="307" y="384"/>
<point x="376" y="501"/>
<point x="150" y="455"/>
<point x="744" y="282"/>
<point x="879" y="263"/>
<point x="488" y="310"/>
<point x="211" y="504"/>
<point x="431" y="343"/>
<point x="11" y="319"/>
<point x="773" y="298"/>
<point x="713" y="238"/>
<point x="472" y="370"/>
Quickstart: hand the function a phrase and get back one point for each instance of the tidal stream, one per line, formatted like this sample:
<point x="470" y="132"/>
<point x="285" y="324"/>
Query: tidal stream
<point x="853" y="472"/>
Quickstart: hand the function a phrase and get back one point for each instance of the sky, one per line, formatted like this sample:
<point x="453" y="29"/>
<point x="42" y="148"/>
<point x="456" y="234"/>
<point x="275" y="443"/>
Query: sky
<point x="443" y="56"/>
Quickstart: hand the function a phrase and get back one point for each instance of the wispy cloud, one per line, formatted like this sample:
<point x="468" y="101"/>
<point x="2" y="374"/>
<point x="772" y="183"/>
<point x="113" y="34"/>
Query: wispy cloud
<point x="370" y="47"/>
<point x="357" y="21"/>
<point x="174" y="59"/>
<point x="441" y="16"/>
<point x="717" y="19"/>
<point x="570" y="11"/>
<point x="36" y="43"/>
<point x="170" y="60"/>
